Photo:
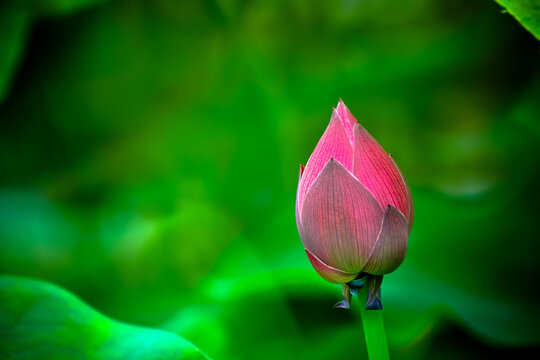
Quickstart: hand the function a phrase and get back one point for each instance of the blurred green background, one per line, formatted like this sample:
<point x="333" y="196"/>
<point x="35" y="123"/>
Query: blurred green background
<point x="149" y="156"/>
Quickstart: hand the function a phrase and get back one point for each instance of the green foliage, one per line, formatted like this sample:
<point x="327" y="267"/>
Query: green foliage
<point x="39" y="321"/>
<point x="149" y="157"/>
<point x="527" y="12"/>
<point x="16" y="18"/>
<point x="13" y="27"/>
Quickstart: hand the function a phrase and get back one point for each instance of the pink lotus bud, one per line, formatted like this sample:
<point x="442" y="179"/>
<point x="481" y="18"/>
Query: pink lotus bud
<point x="353" y="208"/>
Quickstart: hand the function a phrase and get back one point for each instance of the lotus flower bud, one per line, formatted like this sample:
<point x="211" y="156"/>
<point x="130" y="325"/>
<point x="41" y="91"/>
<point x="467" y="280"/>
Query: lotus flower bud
<point x="354" y="210"/>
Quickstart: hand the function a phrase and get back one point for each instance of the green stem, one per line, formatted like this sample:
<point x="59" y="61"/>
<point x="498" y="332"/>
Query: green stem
<point x="372" y="321"/>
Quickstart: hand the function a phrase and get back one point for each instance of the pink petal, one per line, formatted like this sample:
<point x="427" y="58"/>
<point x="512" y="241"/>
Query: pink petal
<point x="347" y="118"/>
<point x="327" y="272"/>
<point x="377" y="171"/>
<point x="391" y="246"/>
<point x="409" y="196"/>
<point x="298" y="220"/>
<point x="340" y="219"/>
<point x="333" y="144"/>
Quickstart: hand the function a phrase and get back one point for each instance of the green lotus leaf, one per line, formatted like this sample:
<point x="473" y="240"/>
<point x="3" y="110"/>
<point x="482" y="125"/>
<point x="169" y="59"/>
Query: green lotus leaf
<point x="527" y="12"/>
<point x="39" y="320"/>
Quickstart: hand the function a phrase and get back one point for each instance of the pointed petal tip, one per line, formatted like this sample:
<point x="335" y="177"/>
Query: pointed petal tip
<point x="347" y="120"/>
<point x="345" y="114"/>
<point x="331" y="165"/>
<point x="391" y="208"/>
<point x="361" y="133"/>
<point x="342" y="305"/>
<point x="329" y="273"/>
<point x="376" y="304"/>
<point x="373" y="301"/>
<point x="335" y="115"/>
<point x="346" y="302"/>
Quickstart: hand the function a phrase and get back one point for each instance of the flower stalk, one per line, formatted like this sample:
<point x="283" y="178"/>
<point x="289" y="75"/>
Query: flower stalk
<point x="373" y="325"/>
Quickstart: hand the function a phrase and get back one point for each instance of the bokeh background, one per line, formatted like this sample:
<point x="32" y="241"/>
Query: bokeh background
<point x="149" y="156"/>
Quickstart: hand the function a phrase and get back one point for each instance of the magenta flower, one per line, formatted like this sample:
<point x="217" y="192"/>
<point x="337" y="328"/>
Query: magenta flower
<point x="353" y="208"/>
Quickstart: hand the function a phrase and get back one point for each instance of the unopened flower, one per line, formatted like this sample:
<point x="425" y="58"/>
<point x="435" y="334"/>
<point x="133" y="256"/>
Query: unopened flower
<point x="353" y="208"/>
